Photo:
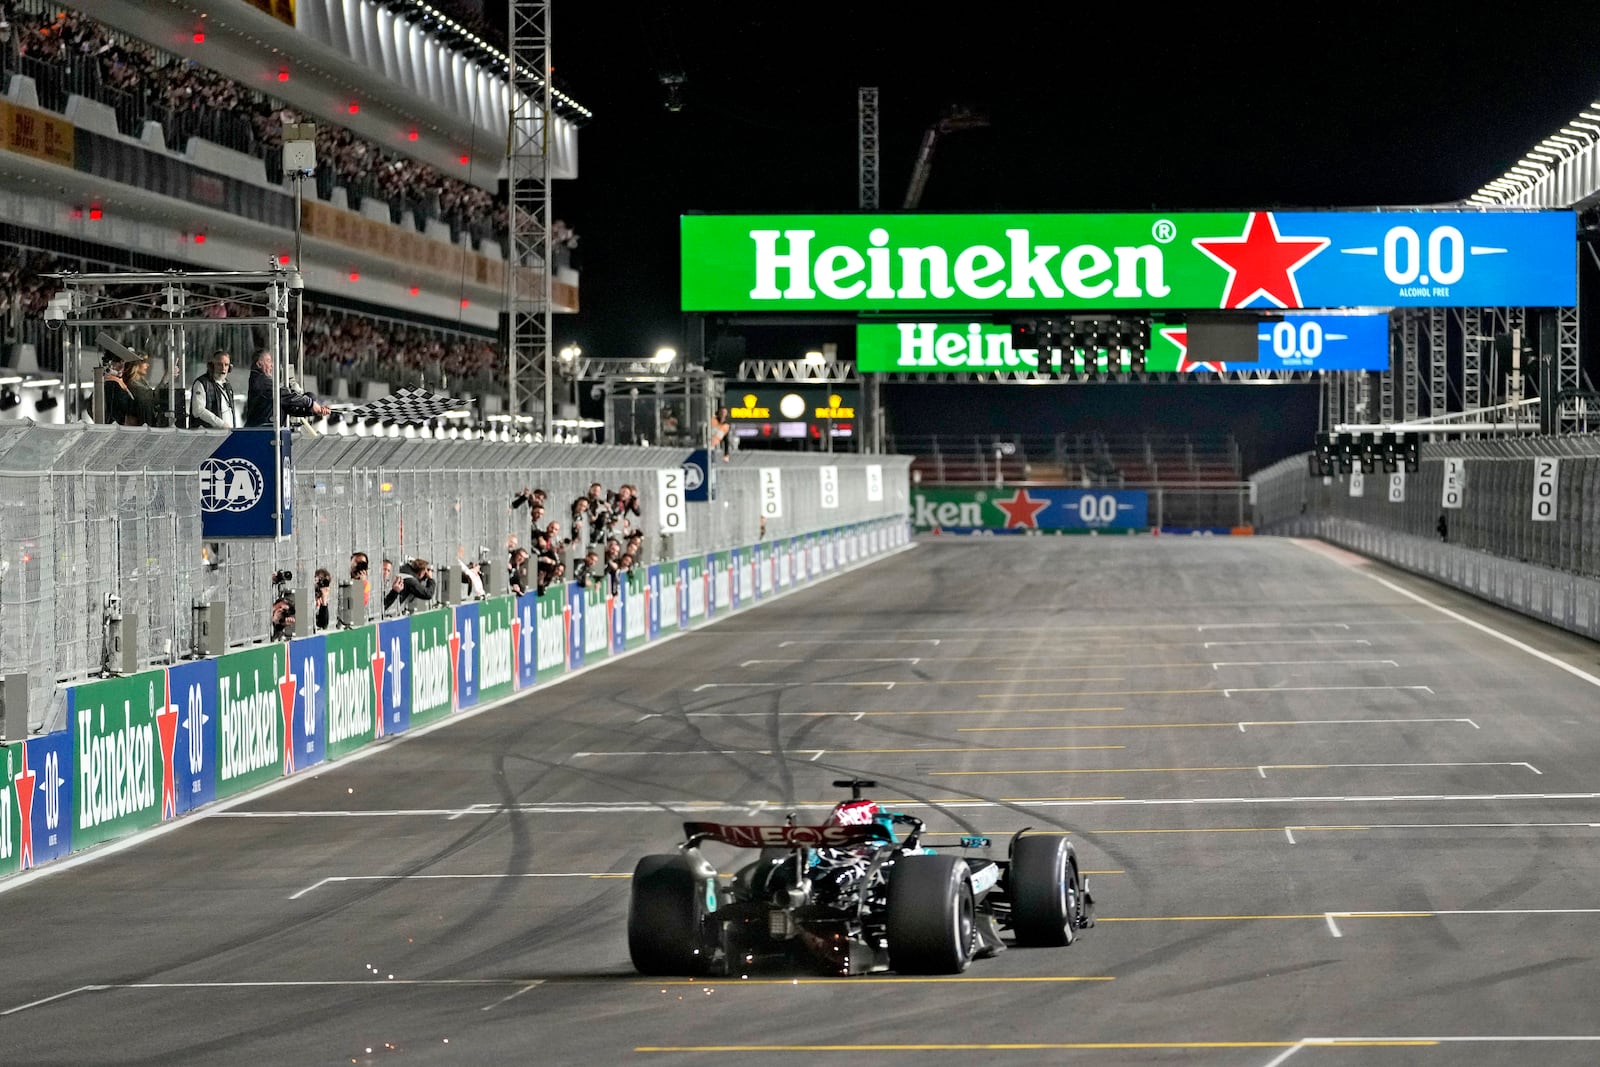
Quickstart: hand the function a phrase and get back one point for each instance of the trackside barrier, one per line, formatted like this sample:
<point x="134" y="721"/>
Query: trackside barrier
<point x="148" y="748"/>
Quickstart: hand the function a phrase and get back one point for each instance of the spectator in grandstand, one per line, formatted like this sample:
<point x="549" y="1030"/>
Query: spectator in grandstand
<point x="635" y="544"/>
<point x="413" y="582"/>
<point x="582" y="518"/>
<point x="142" y="405"/>
<point x="291" y="402"/>
<point x="517" y="568"/>
<point x="211" y="397"/>
<point x="624" y="565"/>
<point x="359" y="569"/>
<point x="626" y="507"/>
<point x="555" y="576"/>
<point x="616" y="566"/>
<point x="282" y="619"/>
<point x="324" y="581"/>
<point x="472" y="579"/>
<point x="118" y="400"/>
<point x="721" y="433"/>
<point x="588" y="571"/>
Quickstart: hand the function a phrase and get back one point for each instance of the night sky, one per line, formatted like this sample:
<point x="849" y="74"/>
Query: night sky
<point x="1092" y="107"/>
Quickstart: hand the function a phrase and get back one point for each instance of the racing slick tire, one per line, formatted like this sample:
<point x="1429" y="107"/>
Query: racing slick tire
<point x="931" y="923"/>
<point x="665" y="917"/>
<point x="1046" y="896"/>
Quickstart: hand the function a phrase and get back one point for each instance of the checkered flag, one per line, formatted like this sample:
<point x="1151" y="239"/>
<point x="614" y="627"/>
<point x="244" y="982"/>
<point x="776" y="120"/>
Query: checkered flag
<point x="409" y="407"/>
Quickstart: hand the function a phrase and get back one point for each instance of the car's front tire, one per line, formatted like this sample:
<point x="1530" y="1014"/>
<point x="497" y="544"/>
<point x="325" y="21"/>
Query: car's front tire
<point x="666" y="916"/>
<point x="931" y="915"/>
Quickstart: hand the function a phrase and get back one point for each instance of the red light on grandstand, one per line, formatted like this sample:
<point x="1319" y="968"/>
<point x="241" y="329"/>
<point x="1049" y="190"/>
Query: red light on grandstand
<point x="416" y="290"/>
<point x="199" y="238"/>
<point x="466" y="303"/>
<point x="283" y="259"/>
<point x="412" y="136"/>
<point x="199" y="38"/>
<point x="355" y="109"/>
<point x="283" y="74"/>
<point x="464" y="160"/>
<point x="355" y="276"/>
<point x="94" y="214"/>
<point x="75" y="214"/>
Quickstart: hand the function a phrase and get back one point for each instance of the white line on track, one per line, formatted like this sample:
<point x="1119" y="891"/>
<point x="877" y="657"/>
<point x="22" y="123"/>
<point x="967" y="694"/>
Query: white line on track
<point x="790" y="685"/>
<point x="442" y="878"/>
<point x="1313" y="641"/>
<point x="1333" y="927"/>
<point x="1305" y="663"/>
<point x="868" y="641"/>
<point x="1459" y="1039"/>
<point x="375" y="983"/>
<point x="829" y="659"/>
<point x="1331" y="722"/>
<point x="1288" y="831"/>
<point x="1456" y="616"/>
<point x="679" y="807"/>
<point x="1323" y="689"/>
<point x="1263" y="768"/>
<point x="513" y="996"/>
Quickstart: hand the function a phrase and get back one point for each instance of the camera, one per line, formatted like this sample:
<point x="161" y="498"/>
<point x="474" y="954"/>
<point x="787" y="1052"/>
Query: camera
<point x="524" y="497"/>
<point x="280" y="577"/>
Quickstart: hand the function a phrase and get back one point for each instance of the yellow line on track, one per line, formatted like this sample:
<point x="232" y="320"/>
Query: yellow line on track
<point x="1106" y="726"/>
<point x="1099" y="770"/>
<point x="971" y="748"/>
<point x="1043" y="1046"/>
<point x="970" y="711"/>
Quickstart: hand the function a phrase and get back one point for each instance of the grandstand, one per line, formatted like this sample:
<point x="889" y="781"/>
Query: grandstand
<point x="1129" y="460"/>
<point x="155" y="146"/>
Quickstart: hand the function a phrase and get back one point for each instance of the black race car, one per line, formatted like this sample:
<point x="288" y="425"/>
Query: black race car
<point x="853" y="894"/>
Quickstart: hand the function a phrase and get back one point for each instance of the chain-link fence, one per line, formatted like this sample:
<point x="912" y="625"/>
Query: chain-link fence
<point x="1496" y="489"/>
<point x="91" y="512"/>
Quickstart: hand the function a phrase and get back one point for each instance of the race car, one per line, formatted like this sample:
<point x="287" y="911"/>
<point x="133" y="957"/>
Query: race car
<point x="858" y="894"/>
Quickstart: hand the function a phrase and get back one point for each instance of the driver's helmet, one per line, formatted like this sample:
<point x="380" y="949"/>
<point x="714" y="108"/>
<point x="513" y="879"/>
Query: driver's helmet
<point x="861" y="812"/>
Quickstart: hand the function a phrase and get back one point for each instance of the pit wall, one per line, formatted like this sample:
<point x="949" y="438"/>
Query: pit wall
<point x="151" y="747"/>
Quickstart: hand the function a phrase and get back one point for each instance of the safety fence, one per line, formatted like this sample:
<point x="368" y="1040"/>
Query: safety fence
<point x="141" y="749"/>
<point x="89" y="513"/>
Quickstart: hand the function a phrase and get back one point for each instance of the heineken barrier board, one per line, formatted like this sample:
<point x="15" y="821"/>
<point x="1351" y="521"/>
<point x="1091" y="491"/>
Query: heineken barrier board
<point x="308" y="675"/>
<point x="496" y="620"/>
<point x="354" y="668"/>
<point x="1030" y="509"/>
<point x="1298" y="341"/>
<point x="117" y="766"/>
<point x="464" y="645"/>
<point x="636" y="609"/>
<point x="617" y="614"/>
<point x="154" y="745"/>
<point x="254" y="706"/>
<point x="550" y="634"/>
<point x="192" y="694"/>
<point x="430" y="668"/>
<point x="36" y="826"/>
<point x="1116" y="262"/>
<point x="394" y="683"/>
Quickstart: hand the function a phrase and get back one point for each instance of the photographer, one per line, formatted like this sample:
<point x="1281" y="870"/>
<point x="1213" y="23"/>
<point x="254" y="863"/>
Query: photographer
<point x="358" y="573"/>
<point x="517" y="572"/>
<point x="282" y="619"/>
<point x="554" y="575"/>
<point x="588" y="571"/>
<point x="414" y="581"/>
<point x="323" y="582"/>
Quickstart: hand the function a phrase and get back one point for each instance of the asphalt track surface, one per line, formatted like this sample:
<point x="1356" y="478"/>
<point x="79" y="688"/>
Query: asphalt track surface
<point x="1336" y="815"/>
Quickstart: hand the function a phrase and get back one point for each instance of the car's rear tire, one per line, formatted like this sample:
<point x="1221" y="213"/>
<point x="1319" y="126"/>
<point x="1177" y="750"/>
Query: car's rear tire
<point x="931" y="923"/>
<point x="665" y="916"/>
<point x="1045" y="891"/>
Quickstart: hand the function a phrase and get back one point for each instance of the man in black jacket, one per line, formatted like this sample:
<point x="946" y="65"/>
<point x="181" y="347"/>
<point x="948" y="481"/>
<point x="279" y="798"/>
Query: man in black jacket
<point x="292" y="403"/>
<point x="412" y="582"/>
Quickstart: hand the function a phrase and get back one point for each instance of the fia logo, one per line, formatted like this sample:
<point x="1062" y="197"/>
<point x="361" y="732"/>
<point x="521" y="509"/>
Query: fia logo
<point x="230" y="485"/>
<point x="694" y="475"/>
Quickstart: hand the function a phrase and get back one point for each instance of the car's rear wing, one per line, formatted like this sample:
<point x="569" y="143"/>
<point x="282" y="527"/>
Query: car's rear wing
<point x="787" y="836"/>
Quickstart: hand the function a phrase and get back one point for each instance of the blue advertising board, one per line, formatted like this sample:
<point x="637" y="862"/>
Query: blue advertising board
<point x="736" y="563"/>
<point x="394" y="644"/>
<point x="42" y="779"/>
<point x="527" y="611"/>
<point x="467" y="633"/>
<point x="699" y="477"/>
<point x="577" y="599"/>
<point x="192" y="694"/>
<point x="617" y="613"/>
<point x="308" y="669"/>
<point x="239" y="487"/>
<point x="653" y="596"/>
<point x="683" y="594"/>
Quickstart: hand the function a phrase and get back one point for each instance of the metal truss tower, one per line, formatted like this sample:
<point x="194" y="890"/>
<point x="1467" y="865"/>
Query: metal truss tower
<point x="1573" y="414"/>
<point x="1438" y="362"/>
<point x="867" y="146"/>
<point x="528" y="259"/>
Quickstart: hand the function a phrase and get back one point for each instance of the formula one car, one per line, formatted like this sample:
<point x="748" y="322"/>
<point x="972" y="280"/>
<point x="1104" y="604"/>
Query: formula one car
<point x="853" y="895"/>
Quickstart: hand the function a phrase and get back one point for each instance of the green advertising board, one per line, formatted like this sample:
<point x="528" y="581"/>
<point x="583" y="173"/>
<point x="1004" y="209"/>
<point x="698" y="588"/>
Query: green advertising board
<point x="10" y="813"/>
<point x="250" y="718"/>
<point x="937" y="347"/>
<point x="596" y="623"/>
<point x="430" y="665"/>
<point x="117" y="766"/>
<point x="496" y="654"/>
<point x="550" y="633"/>
<point x="352" y="692"/>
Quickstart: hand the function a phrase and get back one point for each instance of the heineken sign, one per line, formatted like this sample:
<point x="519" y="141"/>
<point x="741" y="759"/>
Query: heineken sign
<point x="1298" y="341"/>
<point x="1241" y="259"/>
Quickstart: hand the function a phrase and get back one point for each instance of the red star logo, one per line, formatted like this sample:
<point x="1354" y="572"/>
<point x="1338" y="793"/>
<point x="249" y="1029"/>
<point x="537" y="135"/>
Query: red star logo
<point x="1179" y="335"/>
<point x="377" y="691"/>
<point x="1021" y="510"/>
<point x="455" y="656"/>
<point x="516" y="643"/>
<point x="24" y="782"/>
<point x="286" y="691"/>
<point x="167" y="727"/>
<point x="1259" y="262"/>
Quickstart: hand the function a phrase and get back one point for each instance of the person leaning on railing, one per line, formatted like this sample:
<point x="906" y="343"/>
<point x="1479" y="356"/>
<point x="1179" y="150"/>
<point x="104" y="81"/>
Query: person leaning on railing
<point x="211" y="397"/>
<point x="413" y="581"/>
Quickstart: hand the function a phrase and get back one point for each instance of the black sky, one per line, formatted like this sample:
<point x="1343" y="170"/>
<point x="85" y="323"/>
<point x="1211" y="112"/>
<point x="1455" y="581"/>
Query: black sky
<point x="1093" y="107"/>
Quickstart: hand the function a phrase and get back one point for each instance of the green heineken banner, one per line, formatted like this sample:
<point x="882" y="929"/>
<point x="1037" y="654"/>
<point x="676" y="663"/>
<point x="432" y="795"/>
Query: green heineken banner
<point x="495" y="651"/>
<point x="637" y="624"/>
<point x="354" y="667"/>
<point x="117" y="763"/>
<point x="10" y="816"/>
<point x="1111" y="262"/>
<point x="431" y="664"/>
<point x="550" y="634"/>
<point x="250" y="718"/>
